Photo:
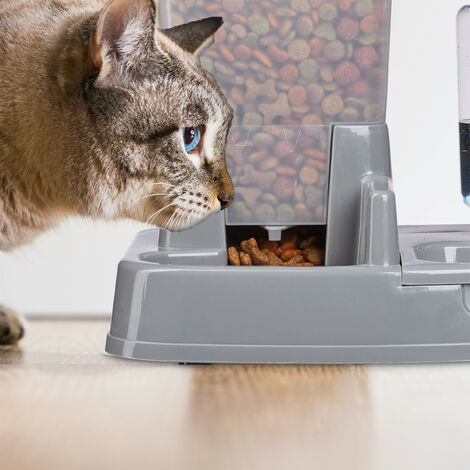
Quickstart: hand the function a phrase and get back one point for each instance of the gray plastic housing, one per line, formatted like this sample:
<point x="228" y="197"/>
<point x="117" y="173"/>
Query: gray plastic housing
<point x="177" y="300"/>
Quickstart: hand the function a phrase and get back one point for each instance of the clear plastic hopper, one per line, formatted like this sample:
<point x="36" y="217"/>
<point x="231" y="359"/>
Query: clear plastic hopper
<point x="290" y="69"/>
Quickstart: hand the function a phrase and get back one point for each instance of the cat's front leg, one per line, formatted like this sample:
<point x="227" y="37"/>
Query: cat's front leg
<point x="11" y="326"/>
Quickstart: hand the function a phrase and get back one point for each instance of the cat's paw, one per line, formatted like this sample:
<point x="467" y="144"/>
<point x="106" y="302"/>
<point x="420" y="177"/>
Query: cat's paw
<point x="11" y="326"/>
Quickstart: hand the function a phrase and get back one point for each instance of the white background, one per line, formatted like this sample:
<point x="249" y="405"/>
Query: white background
<point x="72" y="269"/>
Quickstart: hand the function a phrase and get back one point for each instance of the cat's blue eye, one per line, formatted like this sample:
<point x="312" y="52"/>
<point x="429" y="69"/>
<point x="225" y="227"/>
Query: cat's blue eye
<point x="191" y="138"/>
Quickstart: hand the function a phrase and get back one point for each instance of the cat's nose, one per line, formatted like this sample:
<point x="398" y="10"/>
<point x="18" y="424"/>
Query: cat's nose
<point x="225" y="200"/>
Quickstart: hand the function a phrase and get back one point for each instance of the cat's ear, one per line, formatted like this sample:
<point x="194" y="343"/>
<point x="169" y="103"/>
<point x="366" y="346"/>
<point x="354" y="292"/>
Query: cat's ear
<point x="196" y="36"/>
<point x="123" y="33"/>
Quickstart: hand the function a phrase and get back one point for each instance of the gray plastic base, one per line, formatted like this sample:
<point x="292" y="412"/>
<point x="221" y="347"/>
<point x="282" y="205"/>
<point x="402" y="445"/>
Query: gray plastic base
<point x="182" y="303"/>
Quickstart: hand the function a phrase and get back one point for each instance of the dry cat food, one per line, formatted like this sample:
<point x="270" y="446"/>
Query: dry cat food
<point x="285" y="66"/>
<point x="297" y="62"/>
<point x="293" y="250"/>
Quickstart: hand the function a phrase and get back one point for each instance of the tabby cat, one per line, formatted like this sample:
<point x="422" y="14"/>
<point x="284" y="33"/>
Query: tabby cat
<point x="105" y="115"/>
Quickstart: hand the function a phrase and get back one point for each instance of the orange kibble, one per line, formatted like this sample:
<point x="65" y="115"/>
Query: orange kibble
<point x="369" y="24"/>
<point x="288" y="254"/>
<point x="304" y="264"/>
<point x="212" y="6"/>
<point x="272" y="20"/>
<point x="319" y="165"/>
<point x="241" y="52"/>
<point x="263" y="58"/>
<point x="314" y="153"/>
<point x="278" y="55"/>
<point x="282" y="148"/>
<point x="289" y="245"/>
<point x="224" y="50"/>
<point x="284" y="170"/>
<point x="237" y="18"/>
<point x="289" y="73"/>
<point x="258" y="156"/>
<point x="297" y="95"/>
<point x="317" y="46"/>
<point x="308" y="175"/>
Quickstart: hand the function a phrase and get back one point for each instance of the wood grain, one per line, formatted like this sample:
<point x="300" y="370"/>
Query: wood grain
<point x="66" y="405"/>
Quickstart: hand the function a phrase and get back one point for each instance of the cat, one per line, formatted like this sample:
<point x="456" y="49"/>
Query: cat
<point x="105" y="115"/>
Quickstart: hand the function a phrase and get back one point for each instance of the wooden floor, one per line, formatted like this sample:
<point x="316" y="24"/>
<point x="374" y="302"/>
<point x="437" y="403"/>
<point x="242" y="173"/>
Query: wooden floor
<point x="65" y="405"/>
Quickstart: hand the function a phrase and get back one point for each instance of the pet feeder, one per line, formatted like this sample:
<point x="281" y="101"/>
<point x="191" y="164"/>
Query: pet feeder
<point x="386" y="293"/>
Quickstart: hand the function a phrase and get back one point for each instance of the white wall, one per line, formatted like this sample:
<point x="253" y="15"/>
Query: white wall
<point x="72" y="269"/>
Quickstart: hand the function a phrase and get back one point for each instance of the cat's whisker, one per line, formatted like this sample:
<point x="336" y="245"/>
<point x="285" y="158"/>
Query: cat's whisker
<point x="155" y="194"/>
<point x="155" y="214"/>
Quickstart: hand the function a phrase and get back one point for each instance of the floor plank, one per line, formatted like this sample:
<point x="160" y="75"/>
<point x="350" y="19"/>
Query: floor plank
<point x="64" y="404"/>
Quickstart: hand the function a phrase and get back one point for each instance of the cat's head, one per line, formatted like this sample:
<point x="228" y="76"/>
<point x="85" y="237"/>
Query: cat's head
<point x="161" y="119"/>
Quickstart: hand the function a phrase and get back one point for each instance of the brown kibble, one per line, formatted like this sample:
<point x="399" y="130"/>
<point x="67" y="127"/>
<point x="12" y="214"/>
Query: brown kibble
<point x="283" y="188"/>
<point x="311" y="120"/>
<point x="314" y="153"/>
<point x="245" y="259"/>
<point x="299" y="259"/>
<point x="233" y="256"/>
<point x="348" y="28"/>
<point x="366" y="57"/>
<point x="345" y="5"/>
<point x="278" y="55"/>
<point x="224" y="50"/>
<point x="310" y="241"/>
<point x="297" y="95"/>
<point x="242" y="52"/>
<point x="272" y="110"/>
<point x="289" y="73"/>
<point x="346" y="73"/>
<point x="274" y="260"/>
<point x="258" y="258"/>
<point x="233" y="6"/>
<point x="298" y="50"/>
<point x="359" y="89"/>
<point x="332" y="105"/>
<point x="282" y="148"/>
<point x="250" y="195"/>
<point x="263" y="58"/>
<point x="308" y="175"/>
<point x="237" y="18"/>
<point x="272" y="20"/>
<point x="334" y="51"/>
<point x="314" y="255"/>
<point x="370" y="24"/>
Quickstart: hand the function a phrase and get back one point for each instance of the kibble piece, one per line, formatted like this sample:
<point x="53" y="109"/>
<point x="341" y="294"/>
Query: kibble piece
<point x="242" y="52"/>
<point x="327" y="11"/>
<point x="283" y="188"/>
<point x="315" y="93"/>
<point x="349" y="115"/>
<point x="370" y="24"/>
<point x="245" y="259"/>
<point x="240" y="211"/>
<point x="298" y="50"/>
<point x="308" y="69"/>
<point x="304" y="26"/>
<point x="252" y="119"/>
<point x="314" y="255"/>
<point x="332" y="105"/>
<point x="372" y="112"/>
<point x="265" y="244"/>
<point x="325" y="31"/>
<point x="335" y="50"/>
<point x="265" y="212"/>
<point x="348" y="28"/>
<point x="258" y="24"/>
<point x="289" y="73"/>
<point x="302" y="6"/>
<point x="366" y="57"/>
<point x="363" y="7"/>
<point x="258" y="258"/>
<point x="274" y="260"/>
<point x="285" y="212"/>
<point x="297" y="95"/>
<point x="346" y="73"/>
<point x="233" y="256"/>
<point x="299" y="259"/>
<point x="232" y="6"/>
<point x="308" y="175"/>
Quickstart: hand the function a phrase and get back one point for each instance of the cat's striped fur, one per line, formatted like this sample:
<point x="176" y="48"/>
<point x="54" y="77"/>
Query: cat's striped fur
<point x="93" y="99"/>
